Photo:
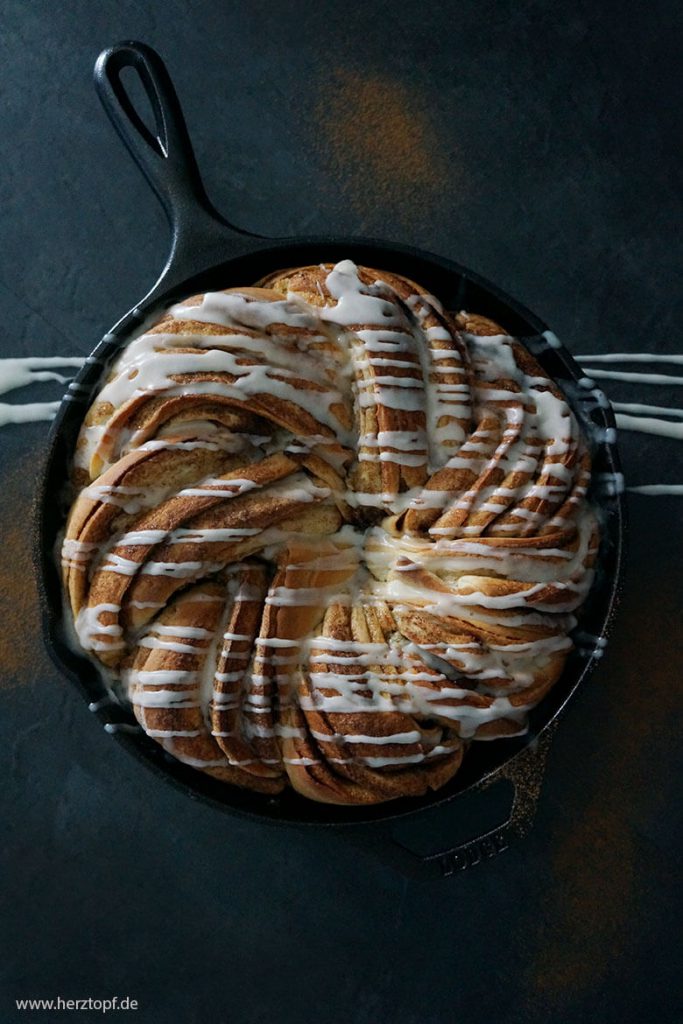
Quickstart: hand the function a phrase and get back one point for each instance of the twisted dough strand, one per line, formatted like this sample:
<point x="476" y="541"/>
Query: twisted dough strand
<point x="326" y="534"/>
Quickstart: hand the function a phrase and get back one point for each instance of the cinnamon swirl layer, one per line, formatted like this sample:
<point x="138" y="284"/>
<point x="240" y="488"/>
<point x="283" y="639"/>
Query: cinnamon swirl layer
<point x="326" y="534"/>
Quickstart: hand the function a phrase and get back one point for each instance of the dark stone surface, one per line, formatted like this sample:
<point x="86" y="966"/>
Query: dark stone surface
<point x="533" y="142"/>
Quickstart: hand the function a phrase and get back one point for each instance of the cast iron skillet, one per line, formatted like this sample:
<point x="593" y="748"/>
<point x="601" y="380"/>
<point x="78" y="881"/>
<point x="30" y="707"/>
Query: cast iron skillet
<point x="208" y="253"/>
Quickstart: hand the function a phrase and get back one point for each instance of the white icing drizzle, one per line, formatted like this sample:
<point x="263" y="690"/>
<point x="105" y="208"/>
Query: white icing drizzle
<point x="642" y="378"/>
<point x="551" y="339"/>
<point x="650" y="425"/>
<point x="630" y="357"/>
<point x="498" y="571"/>
<point x="114" y="727"/>
<point x="21" y="372"/>
<point x="635" y="416"/>
<point x="29" y="412"/>
<point x="590" y="644"/>
<point x="97" y="705"/>
<point x="611" y="483"/>
<point x="88" y="628"/>
<point x="638" y="408"/>
<point x="658" y="489"/>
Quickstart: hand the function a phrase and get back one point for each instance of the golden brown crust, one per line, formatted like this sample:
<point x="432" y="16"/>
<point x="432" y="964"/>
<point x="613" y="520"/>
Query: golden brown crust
<point x="328" y="534"/>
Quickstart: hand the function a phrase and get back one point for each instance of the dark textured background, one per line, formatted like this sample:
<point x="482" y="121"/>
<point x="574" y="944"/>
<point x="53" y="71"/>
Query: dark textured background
<point x="531" y="141"/>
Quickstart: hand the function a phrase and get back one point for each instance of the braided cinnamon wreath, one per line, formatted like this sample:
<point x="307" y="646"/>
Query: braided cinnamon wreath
<point x="325" y="534"/>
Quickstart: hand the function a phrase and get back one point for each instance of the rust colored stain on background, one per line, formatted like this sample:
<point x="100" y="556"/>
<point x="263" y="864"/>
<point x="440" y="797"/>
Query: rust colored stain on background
<point x="22" y="655"/>
<point x="594" y="868"/>
<point x="599" y="856"/>
<point x="377" y="136"/>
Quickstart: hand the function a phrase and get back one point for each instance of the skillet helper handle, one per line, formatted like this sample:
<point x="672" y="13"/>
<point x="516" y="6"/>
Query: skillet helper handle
<point x="163" y="153"/>
<point x="525" y="773"/>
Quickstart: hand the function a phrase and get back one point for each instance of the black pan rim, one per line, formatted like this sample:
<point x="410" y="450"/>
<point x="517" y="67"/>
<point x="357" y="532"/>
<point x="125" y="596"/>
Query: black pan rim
<point x="198" y="786"/>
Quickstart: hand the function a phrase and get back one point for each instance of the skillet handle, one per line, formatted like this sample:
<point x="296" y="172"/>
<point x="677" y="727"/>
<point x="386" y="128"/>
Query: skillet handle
<point x="525" y="774"/>
<point x="165" y="155"/>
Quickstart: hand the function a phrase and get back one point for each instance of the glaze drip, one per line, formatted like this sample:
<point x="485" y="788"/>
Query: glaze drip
<point x="326" y="534"/>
